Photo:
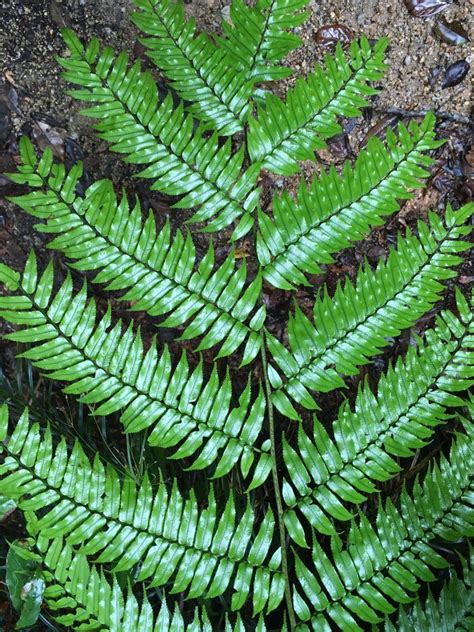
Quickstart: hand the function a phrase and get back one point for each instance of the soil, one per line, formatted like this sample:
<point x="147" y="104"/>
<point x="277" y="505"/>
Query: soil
<point x="33" y="101"/>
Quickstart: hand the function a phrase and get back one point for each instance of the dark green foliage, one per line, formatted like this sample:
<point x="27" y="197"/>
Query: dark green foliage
<point x="390" y="558"/>
<point x="453" y="610"/>
<point x="253" y="510"/>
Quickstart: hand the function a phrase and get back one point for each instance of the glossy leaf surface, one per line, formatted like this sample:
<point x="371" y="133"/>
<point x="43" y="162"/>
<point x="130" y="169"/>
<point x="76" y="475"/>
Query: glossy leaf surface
<point x="64" y="495"/>
<point x="108" y="366"/>
<point x="158" y="270"/>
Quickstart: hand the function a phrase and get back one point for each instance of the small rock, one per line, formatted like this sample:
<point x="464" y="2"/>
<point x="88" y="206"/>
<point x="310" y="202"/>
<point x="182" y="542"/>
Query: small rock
<point x="451" y="32"/>
<point x="330" y="34"/>
<point x="226" y="13"/>
<point x="455" y="73"/>
<point x="426" y="8"/>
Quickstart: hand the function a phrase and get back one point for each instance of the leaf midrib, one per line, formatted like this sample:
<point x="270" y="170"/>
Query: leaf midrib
<point x="268" y="15"/>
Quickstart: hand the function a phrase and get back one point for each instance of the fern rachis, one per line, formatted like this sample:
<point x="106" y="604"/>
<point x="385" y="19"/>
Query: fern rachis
<point x="246" y="509"/>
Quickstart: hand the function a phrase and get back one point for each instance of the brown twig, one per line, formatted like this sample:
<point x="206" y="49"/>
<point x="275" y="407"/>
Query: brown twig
<point x="443" y="116"/>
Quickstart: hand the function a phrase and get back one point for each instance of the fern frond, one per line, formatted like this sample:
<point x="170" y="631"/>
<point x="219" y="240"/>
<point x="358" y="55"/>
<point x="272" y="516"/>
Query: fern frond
<point x="82" y="597"/>
<point x="198" y="70"/>
<point x="285" y="132"/>
<point x="453" y="610"/>
<point x="411" y="400"/>
<point x="195" y="550"/>
<point x="384" y="565"/>
<point x="181" y="161"/>
<point x="258" y="36"/>
<point x="109" y="368"/>
<point x="354" y="325"/>
<point x="159" y="272"/>
<point x="338" y="210"/>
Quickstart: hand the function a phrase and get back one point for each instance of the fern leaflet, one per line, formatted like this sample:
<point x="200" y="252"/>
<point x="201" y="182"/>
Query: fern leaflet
<point x="93" y="603"/>
<point x="337" y="210"/>
<point x="453" y="610"/>
<point x="353" y="326"/>
<point x="388" y="561"/>
<point x="285" y="132"/>
<point x="198" y="70"/>
<point x="64" y="495"/>
<point x="412" y="398"/>
<point x="103" y="234"/>
<point x="109" y="367"/>
<point x="258" y="36"/>
<point x="181" y="161"/>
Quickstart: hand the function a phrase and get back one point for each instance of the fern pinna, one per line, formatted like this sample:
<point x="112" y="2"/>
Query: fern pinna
<point x="253" y="509"/>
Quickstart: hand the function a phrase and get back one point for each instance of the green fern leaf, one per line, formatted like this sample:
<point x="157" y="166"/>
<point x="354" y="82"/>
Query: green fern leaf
<point x="109" y="368"/>
<point x="285" y="132"/>
<point x="315" y="547"/>
<point x="337" y="210"/>
<point x="411" y="401"/>
<point x="63" y="495"/>
<point x="353" y="326"/>
<point x="453" y="610"/>
<point x="388" y="562"/>
<point x="81" y="596"/>
<point x="258" y="37"/>
<point x="181" y="161"/>
<point x="198" y="70"/>
<point x="159" y="273"/>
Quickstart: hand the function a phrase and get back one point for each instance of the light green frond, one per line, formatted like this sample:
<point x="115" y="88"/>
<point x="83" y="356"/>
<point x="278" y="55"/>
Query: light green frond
<point x="82" y="597"/>
<point x="354" y="325"/>
<point x="325" y="474"/>
<point x="452" y="610"/>
<point x="174" y="541"/>
<point x="257" y="36"/>
<point x="181" y="161"/>
<point x="158" y="271"/>
<point x="337" y="210"/>
<point x="384" y="565"/>
<point x="285" y="132"/>
<point x="198" y="70"/>
<point x="110" y="369"/>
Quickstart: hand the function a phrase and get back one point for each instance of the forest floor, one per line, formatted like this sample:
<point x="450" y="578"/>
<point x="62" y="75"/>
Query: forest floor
<point x="33" y="101"/>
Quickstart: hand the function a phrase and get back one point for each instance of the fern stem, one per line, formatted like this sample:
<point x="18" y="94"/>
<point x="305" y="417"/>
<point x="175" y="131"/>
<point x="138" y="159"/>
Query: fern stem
<point x="276" y="485"/>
